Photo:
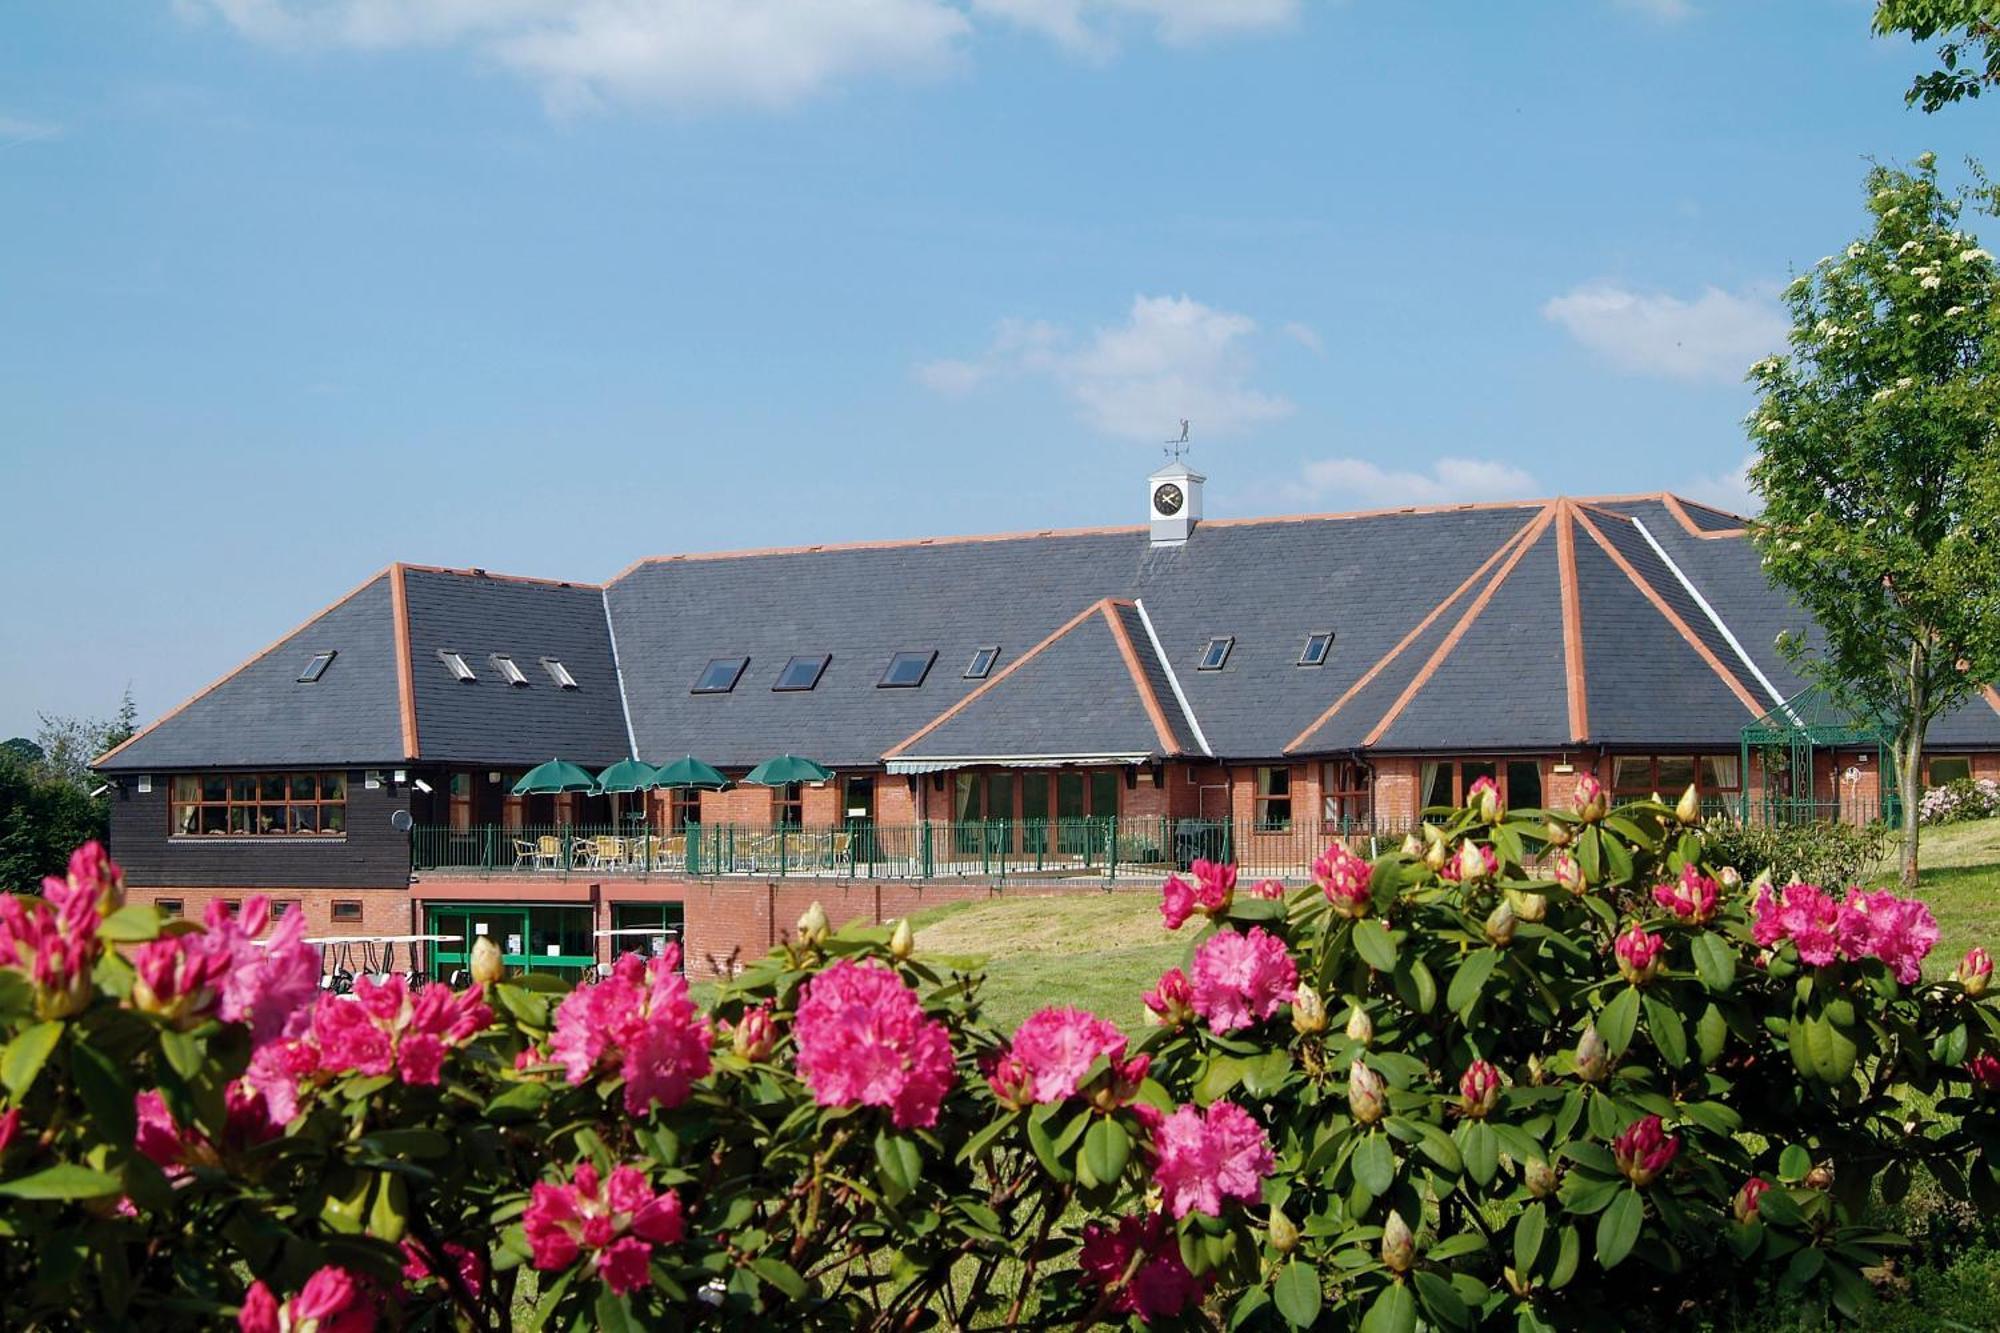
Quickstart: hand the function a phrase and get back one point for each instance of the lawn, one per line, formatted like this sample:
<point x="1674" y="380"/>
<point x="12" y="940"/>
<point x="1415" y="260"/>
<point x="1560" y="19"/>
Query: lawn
<point x="1099" y="950"/>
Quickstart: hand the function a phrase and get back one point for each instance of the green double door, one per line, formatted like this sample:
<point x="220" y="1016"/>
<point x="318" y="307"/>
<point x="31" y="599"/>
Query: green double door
<point x="532" y="938"/>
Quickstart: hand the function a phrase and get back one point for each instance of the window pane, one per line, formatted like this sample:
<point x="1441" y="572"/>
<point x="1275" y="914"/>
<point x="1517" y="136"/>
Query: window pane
<point x="214" y="819"/>
<point x="333" y="787"/>
<point x="1274" y="781"/>
<point x="1034" y="796"/>
<point x="272" y="787"/>
<point x="305" y="787"/>
<point x="1000" y="796"/>
<point x="800" y="673"/>
<point x="183" y="819"/>
<point x="214" y="788"/>
<point x="240" y="819"/>
<point x="1470" y="773"/>
<point x="1718" y="772"/>
<point x="1676" y="772"/>
<point x="187" y="787"/>
<point x="1949" y="769"/>
<point x="243" y="788"/>
<point x="1524" y="784"/>
<point x="1069" y="796"/>
<point x="333" y="819"/>
<point x="305" y="819"/>
<point x="719" y="677"/>
<point x="270" y="819"/>
<point x="907" y="670"/>
<point x="965" y="799"/>
<point x="981" y="664"/>
<point x="1632" y="772"/>
<point x="1104" y="794"/>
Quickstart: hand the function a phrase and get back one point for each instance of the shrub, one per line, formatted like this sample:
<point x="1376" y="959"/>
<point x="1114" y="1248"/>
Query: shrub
<point x="1960" y="799"/>
<point x="1818" y="851"/>
<point x="1439" y="1086"/>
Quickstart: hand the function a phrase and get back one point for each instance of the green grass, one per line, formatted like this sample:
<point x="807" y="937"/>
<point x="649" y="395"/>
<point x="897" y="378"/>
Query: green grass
<point x="1960" y="878"/>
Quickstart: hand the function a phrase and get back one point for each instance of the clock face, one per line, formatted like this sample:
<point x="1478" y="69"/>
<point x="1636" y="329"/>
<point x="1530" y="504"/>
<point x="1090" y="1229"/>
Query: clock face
<point x="1167" y="499"/>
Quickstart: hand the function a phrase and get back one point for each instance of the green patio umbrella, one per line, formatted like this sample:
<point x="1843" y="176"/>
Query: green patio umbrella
<point x="627" y="775"/>
<point x="787" y="769"/>
<point x="558" y="775"/>
<point x="688" y="771"/>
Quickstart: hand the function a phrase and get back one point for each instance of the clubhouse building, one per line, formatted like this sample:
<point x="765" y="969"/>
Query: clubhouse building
<point x="1054" y="709"/>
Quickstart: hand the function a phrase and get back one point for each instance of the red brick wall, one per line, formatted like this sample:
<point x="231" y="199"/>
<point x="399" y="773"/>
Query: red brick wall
<point x="383" y="911"/>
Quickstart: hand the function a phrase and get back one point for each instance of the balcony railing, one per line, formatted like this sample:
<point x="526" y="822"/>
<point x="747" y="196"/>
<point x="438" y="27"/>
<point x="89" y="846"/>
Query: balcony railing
<point x="997" y="851"/>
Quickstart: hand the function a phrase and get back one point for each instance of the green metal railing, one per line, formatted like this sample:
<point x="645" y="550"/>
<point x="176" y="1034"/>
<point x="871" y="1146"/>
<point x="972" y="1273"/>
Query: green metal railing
<point x="1000" y="851"/>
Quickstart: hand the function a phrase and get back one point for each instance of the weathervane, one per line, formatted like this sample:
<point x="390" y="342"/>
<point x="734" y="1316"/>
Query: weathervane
<point x="1174" y="449"/>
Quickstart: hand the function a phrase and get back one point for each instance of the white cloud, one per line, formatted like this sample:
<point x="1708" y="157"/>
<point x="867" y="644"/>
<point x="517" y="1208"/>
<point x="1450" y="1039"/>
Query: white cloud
<point x="1716" y="336"/>
<point x="1667" y="11"/>
<point x="1356" y="483"/>
<point x="1069" y="23"/>
<point x="1728" y="489"/>
<point x="1172" y="357"/>
<point x="765" y="54"/>
<point x="14" y="131"/>
<point x="1305" y="335"/>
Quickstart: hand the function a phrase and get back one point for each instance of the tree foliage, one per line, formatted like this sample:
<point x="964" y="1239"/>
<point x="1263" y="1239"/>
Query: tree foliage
<point x="1879" y="465"/>
<point x="42" y="817"/>
<point x="1968" y="56"/>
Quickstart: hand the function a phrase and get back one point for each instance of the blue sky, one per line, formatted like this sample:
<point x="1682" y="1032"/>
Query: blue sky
<point x="294" y="288"/>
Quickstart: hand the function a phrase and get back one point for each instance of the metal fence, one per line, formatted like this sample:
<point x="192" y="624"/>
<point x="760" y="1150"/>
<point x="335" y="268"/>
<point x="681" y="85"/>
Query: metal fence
<point x="998" y="851"/>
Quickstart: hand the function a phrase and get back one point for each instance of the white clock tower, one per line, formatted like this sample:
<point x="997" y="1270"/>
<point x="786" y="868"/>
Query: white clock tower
<point x="1173" y="498"/>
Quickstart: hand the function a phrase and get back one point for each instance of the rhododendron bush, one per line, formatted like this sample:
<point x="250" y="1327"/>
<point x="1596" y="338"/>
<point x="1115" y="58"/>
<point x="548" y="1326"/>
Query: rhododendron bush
<point x="1533" y="1069"/>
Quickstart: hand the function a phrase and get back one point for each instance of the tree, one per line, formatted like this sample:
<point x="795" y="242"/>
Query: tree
<point x="1880" y="466"/>
<point x="1969" y="57"/>
<point x="41" y="818"/>
<point x="69" y="742"/>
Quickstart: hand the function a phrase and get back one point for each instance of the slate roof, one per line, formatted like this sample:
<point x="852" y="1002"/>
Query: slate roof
<point x="1626" y="621"/>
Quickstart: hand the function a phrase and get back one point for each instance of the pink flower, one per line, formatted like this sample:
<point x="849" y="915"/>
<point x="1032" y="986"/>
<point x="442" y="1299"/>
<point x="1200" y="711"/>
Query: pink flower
<point x="1638" y="952"/>
<point x="1984" y="1071"/>
<point x="1058" y="1046"/>
<point x="1691" y="899"/>
<point x="863" y="1040"/>
<point x="755" y="1034"/>
<point x="93" y="885"/>
<point x="1484" y="798"/>
<point x="1644" y="1150"/>
<point x="275" y="1070"/>
<point x="382" y="1026"/>
<point x="1270" y="890"/>
<point x="179" y="979"/>
<point x="1804" y="915"/>
<point x="1159" y="1285"/>
<point x="1568" y="876"/>
<point x="10" y="1125"/>
<point x="1344" y="877"/>
<point x="1898" y="931"/>
<point x="1013" y="1083"/>
<point x="1476" y="862"/>
<point x="1744" y="1205"/>
<point x="640" y="1022"/>
<point x="1587" y="800"/>
<point x="1213" y="890"/>
<point x="1171" y="1000"/>
<point x="53" y="940"/>
<point x="1240" y="979"/>
<point x="617" y="1219"/>
<point x="271" y="984"/>
<point x="1203" y="1161"/>
<point x="1479" y="1090"/>
<point x="332" y="1301"/>
<point x="418" y="1266"/>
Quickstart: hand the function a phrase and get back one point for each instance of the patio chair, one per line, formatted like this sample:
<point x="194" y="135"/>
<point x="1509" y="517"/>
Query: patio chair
<point x="526" y="854"/>
<point x="607" y="853"/>
<point x="548" y="851"/>
<point x="670" y="853"/>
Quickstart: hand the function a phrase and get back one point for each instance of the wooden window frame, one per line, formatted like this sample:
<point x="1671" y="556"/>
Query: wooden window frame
<point x="788" y="806"/>
<point x="231" y="803"/>
<point x="1701" y="785"/>
<point x="1930" y="759"/>
<point x="347" y="909"/>
<point x="1262" y="800"/>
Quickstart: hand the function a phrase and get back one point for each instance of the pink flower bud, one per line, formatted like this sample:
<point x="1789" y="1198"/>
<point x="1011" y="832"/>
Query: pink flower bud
<point x="1744" y="1205"/>
<point x="1013" y="1083"/>
<point x="1587" y="800"/>
<point x="1484" y="800"/>
<point x="1500" y="926"/>
<point x="1270" y="890"/>
<point x="1540" y="1178"/>
<point x="1556" y="833"/>
<point x="755" y="1034"/>
<point x="1527" y="906"/>
<point x="1984" y="1071"/>
<point x="1687" y="810"/>
<point x="10" y="1125"/>
<point x="1308" y="1012"/>
<point x="1567" y="874"/>
<point x="1413" y="845"/>
<point x="1475" y="864"/>
<point x="1691" y="898"/>
<point x="1344" y="878"/>
<point x="1399" y="1247"/>
<point x="1214" y="887"/>
<point x="1644" y="1150"/>
<point x="1171" y="1001"/>
<point x="1638" y="953"/>
<point x="1593" y="1057"/>
<point x="1366" y="1097"/>
<point x="1478" y="1090"/>
<point x="1360" y="1027"/>
<point x="1974" y="972"/>
<point x="1730" y="878"/>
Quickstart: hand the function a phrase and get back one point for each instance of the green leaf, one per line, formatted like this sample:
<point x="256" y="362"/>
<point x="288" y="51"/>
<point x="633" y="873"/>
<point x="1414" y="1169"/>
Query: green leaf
<point x="1416" y="985"/>
<point x="1714" y="961"/>
<point x="1394" y="1311"/>
<point x="1373" y="943"/>
<point x="1470" y="980"/>
<point x="1106" y="1147"/>
<point x="1669" y="1037"/>
<point x="1618" y="1227"/>
<point x="1711" y="1034"/>
<point x="1297" y="1294"/>
<point x="1795" y="1163"/>
<point x="1222" y="1073"/>
<point x="614" y="1314"/>
<point x="105" y="1092"/>
<point x="1569" y="1253"/>
<point x="185" y="1053"/>
<point x="1441" y="1299"/>
<point x="27" y="1053"/>
<point x="63" y="1182"/>
<point x="898" y="1164"/>
<point x="1528" y="1235"/>
<point x="780" y="1275"/>
<point x="130" y="924"/>
<point x="1374" y="1163"/>
<point x="1263" y="1076"/>
<point x="1045" y="1148"/>
<point x="1618" y="1019"/>
<point x="519" y="1102"/>
<point x="1480" y="1148"/>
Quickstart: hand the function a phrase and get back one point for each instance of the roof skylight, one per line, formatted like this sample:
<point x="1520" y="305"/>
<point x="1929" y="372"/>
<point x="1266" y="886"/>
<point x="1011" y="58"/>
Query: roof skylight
<point x="1318" y="644"/>
<point x="559" y="674"/>
<point x="455" y="663"/>
<point x="720" y="675"/>
<point x="509" y="672"/>
<point x="316" y="668"/>
<point x="981" y="665"/>
<point x="1216" y="653"/>
<point x="906" y="671"/>
<point x="801" y="673"/>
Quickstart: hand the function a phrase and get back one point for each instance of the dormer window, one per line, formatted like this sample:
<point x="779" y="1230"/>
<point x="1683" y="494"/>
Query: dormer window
<point x="1318" y="644"/>
<point x="509" y="672"/>
<point x="559" y="674"/>
<point x="315" y="668"/>
<point x="720" y="675"/>
<point x="455" y="663"/>
<point x="1216" y="653"/>
<point x="906" y="671"/>
<point x="982" y="662"/>
<point x="801" y="673"/>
